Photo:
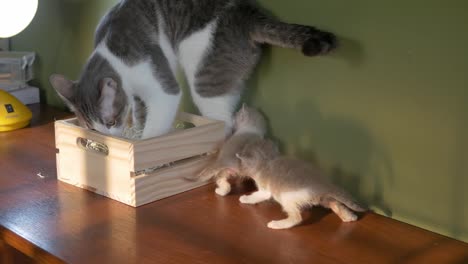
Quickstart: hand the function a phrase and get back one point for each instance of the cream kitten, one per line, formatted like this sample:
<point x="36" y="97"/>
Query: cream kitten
<point x="249" y="126"/>
<point x="291" y="182"/>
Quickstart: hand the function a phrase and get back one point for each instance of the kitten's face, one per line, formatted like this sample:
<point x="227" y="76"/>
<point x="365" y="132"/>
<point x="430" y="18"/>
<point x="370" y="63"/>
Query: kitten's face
<point x="100" y="105"/>
<point x="249" y="118"/>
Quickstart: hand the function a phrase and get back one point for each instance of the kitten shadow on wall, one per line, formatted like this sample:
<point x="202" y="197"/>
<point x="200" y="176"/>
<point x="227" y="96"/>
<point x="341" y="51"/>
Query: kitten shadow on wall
<point x="341" y="146"/>
<point x="361" y="163"/>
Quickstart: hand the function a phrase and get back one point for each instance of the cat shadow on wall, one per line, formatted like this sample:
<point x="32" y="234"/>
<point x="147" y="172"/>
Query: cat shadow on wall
<point x="349" y="51"/>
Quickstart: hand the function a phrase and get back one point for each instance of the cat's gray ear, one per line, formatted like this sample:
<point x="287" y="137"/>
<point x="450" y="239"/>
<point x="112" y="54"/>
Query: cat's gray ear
<point x="108" y="87"/>
<point x="63" y="86"/>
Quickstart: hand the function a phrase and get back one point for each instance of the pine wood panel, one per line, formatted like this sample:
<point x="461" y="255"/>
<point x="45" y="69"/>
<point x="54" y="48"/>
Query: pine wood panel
<point x="168" y="181"/>
<point x="111" y="173"/>
<point x="178" y="145"/>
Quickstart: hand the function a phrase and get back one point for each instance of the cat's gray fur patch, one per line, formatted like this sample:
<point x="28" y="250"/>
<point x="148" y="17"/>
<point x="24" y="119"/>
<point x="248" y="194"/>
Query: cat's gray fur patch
<point x="139" y="113"/>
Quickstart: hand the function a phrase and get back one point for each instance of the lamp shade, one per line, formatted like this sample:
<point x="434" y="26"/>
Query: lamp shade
<point x="15" y="15"/>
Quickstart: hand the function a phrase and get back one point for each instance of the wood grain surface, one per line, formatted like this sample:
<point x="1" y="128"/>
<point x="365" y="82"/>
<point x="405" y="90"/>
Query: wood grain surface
<point x="54" y="222"/>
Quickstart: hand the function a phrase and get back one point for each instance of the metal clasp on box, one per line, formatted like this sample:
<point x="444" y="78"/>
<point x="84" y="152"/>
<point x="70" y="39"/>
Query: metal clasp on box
<point x="93" y="146"/>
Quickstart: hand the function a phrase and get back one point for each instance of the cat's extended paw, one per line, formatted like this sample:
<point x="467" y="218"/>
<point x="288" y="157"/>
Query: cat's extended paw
<point x="348" y="217"/>
<point x="320" y="43"/>
<point x="222" y="191"/>
<point x="281" y="224"/>
<point x="246" y="199"/>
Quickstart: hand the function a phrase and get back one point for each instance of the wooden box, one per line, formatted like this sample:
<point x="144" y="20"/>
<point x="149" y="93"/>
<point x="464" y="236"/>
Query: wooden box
<point x="136" y="172"/>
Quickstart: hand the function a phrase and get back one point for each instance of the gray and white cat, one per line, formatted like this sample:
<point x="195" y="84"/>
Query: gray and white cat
<point x="293" y="183"/>
<point x="139" y="45"/>
<point x="249" y="127"/>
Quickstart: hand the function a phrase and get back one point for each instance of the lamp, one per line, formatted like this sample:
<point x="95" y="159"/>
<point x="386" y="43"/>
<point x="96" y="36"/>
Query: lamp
<point x="15" y="16"/>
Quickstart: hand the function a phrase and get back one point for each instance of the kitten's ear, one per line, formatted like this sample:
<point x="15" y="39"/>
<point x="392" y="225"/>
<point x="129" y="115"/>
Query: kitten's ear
<point x="273" y="146"/>
<point x="269" y="144"/>
<point x="108" y="88"/>
<point x="244" y="107"/>
<point x="63" y="86"/>
<point x="243" y="154"/>
<point x="242" y="111"/>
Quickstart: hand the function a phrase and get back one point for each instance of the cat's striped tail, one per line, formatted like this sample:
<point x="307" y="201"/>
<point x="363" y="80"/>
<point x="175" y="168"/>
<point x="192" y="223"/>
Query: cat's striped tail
<point x="309" y="40"/>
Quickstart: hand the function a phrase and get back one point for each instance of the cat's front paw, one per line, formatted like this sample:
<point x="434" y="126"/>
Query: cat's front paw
<point x="246" y="199"/>
<point x="320" y="43"/>
<point x="281" y="224"/>
<point x="222" y="191"/>
<point x="348" y="217"/>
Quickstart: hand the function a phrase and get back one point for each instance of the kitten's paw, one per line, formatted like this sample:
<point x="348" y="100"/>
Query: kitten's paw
<point x="348" y="217"/>
<point x="246" y="199"/>
<point x="320" y="43"/>
<point x="281" y="224"/>
<point x="222" y="191"/>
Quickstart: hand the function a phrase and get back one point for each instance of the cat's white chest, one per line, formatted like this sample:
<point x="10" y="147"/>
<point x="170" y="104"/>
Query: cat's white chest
<point x="193" y="49"/>
<point x="192" y="52"/>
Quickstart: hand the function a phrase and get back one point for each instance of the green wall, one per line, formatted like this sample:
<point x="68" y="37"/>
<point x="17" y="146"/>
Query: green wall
<point x="61" y="34"/>
<point x="385" y="115"/>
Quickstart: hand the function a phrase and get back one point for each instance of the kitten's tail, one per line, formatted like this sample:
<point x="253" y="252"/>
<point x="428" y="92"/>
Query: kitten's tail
<point x="207" y="173"/>
<point x="346" y="199"/>
<point x="309" y="39"/>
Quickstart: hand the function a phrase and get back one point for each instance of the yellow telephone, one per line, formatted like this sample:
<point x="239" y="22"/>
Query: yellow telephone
<point x="13" y="113"/>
